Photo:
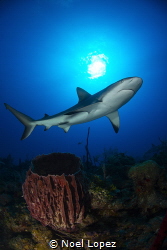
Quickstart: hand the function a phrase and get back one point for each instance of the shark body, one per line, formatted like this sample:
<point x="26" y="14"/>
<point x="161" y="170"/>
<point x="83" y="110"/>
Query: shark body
<point x="89" y="107"/>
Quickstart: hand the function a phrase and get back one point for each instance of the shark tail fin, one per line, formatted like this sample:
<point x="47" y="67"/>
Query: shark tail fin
<point x="27" y="121"/>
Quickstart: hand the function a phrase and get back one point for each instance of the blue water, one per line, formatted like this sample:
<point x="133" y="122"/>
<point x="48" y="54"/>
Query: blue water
<point x="45" y="50"/>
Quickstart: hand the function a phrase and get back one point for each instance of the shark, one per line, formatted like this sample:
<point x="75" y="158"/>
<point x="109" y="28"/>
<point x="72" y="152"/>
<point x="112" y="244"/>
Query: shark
<point x="89" y="107"/>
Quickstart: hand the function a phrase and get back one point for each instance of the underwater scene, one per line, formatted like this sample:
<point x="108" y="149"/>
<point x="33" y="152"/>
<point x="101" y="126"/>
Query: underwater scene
<point x="83" y="156"/>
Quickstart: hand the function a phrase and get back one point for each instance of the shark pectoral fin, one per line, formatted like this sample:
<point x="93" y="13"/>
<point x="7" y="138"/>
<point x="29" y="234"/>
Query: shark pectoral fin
<point x="114" y="119"/>
<point x="65" y="126"/>
<point x="82" y="94"/>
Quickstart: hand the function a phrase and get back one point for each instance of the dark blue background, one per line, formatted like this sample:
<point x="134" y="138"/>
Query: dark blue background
<point x="42" y="46"/>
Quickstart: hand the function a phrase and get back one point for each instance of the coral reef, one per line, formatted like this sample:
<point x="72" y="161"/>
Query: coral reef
<point x="113" y="165"/>
<point x="127" y="203"/>
<point x="11" y="178"/>
<point x="149" y="182"/>
<point x="162" y="234"/>
<point x="57" y="201"/>
<point x="21" y="231"/>
<point x="158" y="153"/>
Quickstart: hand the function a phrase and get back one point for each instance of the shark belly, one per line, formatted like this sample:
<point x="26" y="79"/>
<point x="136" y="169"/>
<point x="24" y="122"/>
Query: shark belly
<point x="83" y="117"/>
<point x="78" y="118"/>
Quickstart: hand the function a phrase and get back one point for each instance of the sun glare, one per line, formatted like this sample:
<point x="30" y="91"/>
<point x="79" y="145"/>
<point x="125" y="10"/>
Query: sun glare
<point x="96" y="65"/>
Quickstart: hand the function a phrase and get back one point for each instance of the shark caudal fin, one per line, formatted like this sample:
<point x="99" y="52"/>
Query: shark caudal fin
<point x="27" y="121"/>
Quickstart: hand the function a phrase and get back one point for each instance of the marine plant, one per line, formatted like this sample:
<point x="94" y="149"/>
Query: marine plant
<point x="158" y="153"/>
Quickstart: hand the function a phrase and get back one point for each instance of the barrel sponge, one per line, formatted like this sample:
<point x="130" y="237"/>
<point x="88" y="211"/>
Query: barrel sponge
<point x="58" y="201"/>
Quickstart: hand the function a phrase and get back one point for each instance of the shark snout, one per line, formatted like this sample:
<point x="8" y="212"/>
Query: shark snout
<point x="134" y="84"/>
<point x="138" y="80"/>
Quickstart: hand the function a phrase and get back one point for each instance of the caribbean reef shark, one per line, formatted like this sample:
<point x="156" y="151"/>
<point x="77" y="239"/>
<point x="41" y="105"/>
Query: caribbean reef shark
<point x="89" y="107"/>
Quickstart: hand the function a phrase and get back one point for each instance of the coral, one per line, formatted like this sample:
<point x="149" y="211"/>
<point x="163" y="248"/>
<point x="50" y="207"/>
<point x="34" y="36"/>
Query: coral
<point x="41" y="234"/>
<point x="57" y="201"/>
<point x="148" y="178"/>
<point x="144" y="176"/>
<point x="120" y="159"/>
<point x="158" y="153"/>
<point x="115" y="166"/>
<point x="162" y="234"/>
<point x="21" y="243"/>
<point x="100" y="197"/>
<point x="103" y="194"/>
<point x="129" y="214"/>
<point x="21" y="231"/>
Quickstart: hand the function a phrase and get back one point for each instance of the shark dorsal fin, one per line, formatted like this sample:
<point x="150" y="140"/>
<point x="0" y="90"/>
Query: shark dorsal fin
<point x="82" y="94"/>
